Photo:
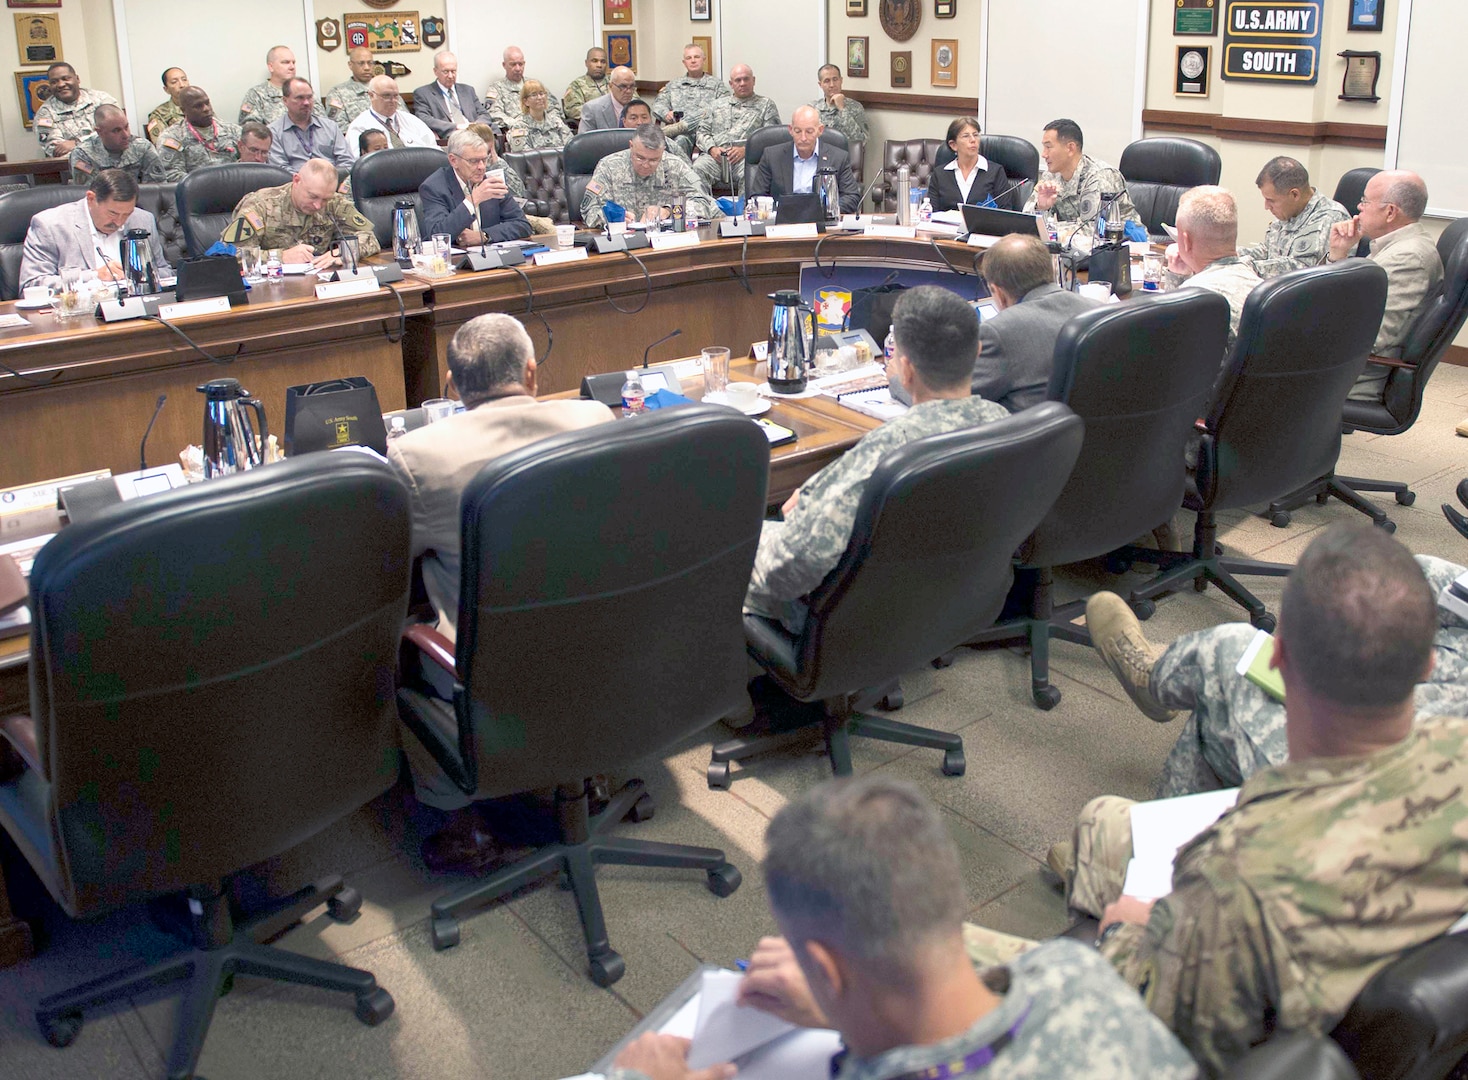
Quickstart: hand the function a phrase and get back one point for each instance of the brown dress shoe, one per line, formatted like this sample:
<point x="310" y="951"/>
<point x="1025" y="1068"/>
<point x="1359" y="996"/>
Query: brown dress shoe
<point x="463" y="846"/>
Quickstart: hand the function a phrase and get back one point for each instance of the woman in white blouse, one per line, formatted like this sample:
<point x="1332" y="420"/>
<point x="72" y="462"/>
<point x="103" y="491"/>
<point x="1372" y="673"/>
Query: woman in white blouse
<point x="969" y="178"/>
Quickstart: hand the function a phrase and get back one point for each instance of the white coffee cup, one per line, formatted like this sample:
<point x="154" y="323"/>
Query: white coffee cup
<point x="742" y="395"/>
<point x="495" y="174"/>
<point x="565" y="236"/>
<point x="35" y="294"/>
<point x="1096" y="290"/>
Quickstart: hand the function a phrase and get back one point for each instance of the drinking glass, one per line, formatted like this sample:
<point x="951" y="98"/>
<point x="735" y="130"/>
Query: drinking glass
<point x="439" y="408"/>
<point x="251" y="264"/>
<point x="715" y="369"/>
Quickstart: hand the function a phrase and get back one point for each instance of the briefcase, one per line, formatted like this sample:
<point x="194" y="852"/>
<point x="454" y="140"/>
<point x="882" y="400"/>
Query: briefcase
<point x="325" y="415"/>
<point x="871" y="308"/>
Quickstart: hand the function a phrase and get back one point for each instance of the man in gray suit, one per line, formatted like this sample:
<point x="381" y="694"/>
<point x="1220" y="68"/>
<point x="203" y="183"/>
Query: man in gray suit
<point x="605" y="112"/>
<point x="784" y="171"/>
<point x="445" y="105"/>
<point x="87" y="234"/>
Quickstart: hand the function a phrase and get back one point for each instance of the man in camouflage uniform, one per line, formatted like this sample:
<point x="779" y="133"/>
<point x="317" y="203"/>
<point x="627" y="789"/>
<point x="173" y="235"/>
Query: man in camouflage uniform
<point x="1206" y="255"/>
<point x="839" y="112"/>
<point x="730" y="122"/>
<point x="1072" y="182"/>
<point x="112" y="146"/>
<point x="347" y="101"/>
<point x="693" y="94"/>
<point x="642" y="180"/>
<point x="638" y="113"/>
<point x="1333" y="861"/>
<point x="66" y="117"/>
<point x="936" y="340"/>
<point x="591" y="85"/>
<point x="264" y="101"/>
<point x="198" y="139"/>
<point x="175" y="81"/>
<point x="302" y="218"/>
<point x="502" y="96"/>
<point x="1300" y="234"/>
<point x="865" y="884"/>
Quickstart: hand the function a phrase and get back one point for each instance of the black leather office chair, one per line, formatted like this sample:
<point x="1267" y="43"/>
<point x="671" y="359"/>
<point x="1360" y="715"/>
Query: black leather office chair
<point x="1276" y="416"/>
<point x="1297" y="1056"/>
<point x="1410" y="1021"/>
<point x="207" y="197"/>
<point x="921" y="156"/>
<point x="1158" y="171"/>
<point x="540" y="172"/>
<point x="1139" y="375"/>
<point x="626" y="635"/>
<point x="211" y="684"/>
<point x="16" y="210"/>
<point x="776" y="135"/>
<point x="161" y="200"/>
<point x="1428" y="338"/>
<point x="379" y="180"/>
<point x="579" y="158"/>
<point x="1349" y="191"/>
<point x="1020" y="160"/>
<point x="928" y="562"/>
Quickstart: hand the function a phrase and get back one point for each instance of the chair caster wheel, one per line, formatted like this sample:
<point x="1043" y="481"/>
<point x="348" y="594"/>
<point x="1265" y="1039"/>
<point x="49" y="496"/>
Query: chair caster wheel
<point x="374" y="1008"/>
<point x="1406" y="498"/>
<point x="892" y="701"/>
<point x="642" y="810"/>
<point x="719" y="775"/>
<point x="1144" y="609"/>
<point x="1265" y="622"/>
<point x="1200" y="584"/>
<point x="1115" y="564"/>
<point x="61" y="1030"/>
<point x="954" y="763"/>
<point x="944" y="661"/>
<point x="724" y="880"/>
<point x="445" y="933"/>
<point x="344" y="906"/>
<point x="606" y="968"/>
<point x="1323" y="498"/>
<point x="1047" y="697"/>
<point x="226" y="984"/>
<point x="1387" y="524"/>
<point x="1280" y="519"/>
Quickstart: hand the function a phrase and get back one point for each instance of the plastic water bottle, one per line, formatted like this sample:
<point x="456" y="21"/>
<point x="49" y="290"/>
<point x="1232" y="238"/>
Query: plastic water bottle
<point x="925" y="209"/>
<point x="397" y="428"/>
<point x="634" y="399"/>
<point x="889" y="348"/>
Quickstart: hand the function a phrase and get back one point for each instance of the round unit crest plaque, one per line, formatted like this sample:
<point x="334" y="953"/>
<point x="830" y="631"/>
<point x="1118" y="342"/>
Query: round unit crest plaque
<point x="900" y="18"/>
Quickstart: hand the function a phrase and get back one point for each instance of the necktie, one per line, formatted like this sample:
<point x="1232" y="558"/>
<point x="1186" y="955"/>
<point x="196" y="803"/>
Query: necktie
<point x="392" y="131"/>
<point x="456" y="114"/>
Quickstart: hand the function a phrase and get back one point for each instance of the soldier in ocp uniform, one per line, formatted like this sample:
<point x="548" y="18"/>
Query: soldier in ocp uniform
<point x="347" y="101"/>
<point x="112" y="146"/>
<point x="67" y="116"/>
<point x="691" y="94"/>
<point x="175" y="81"/>
<point x="643" y="179"/>
<point x="303" y="218"/>
<point x="198" y="139"/>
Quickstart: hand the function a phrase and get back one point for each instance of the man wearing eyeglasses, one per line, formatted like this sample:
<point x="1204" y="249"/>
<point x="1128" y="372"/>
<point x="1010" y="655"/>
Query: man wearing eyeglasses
<point x="643" y="180"/>
<point x="385" y="113"/>
<point x="1389" y="216"/>
<point x="461" y="199"/>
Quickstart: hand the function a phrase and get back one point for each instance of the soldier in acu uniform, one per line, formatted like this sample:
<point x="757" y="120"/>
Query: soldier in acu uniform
<point x="692" y="94"/>
<point x="642" y="179"/>
<point x="582" y="89"/>
<point x="347" y="101"/>
<point x="112" y="146"/>
<point x="303" y="218"/>
<point x="197" y="140"/>
<point x="502" y="96"/>
<point x="175" y="81"/>
<point x="729" y="124"/>
<point x="839" y="112"/>
<point x="1072" y="182"/>
<point x="265" y="101"/>
<point x="66" y="117"/>
<point x="1299" y="235"/>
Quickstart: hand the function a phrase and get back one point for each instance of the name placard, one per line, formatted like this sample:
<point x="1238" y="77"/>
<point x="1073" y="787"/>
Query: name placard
<point x="330" y="289"/>
<point x="663" y="240"/>
<point x="551" y="258"/>
<point x="895" y="232"/>
<point x="791" y="232"/>
<point x="211" y="305"/>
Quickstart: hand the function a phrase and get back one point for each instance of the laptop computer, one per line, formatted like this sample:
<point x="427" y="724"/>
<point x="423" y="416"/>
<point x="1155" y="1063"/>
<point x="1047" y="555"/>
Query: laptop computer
<point x="988" y="221"/>
<point x="800" y="209"/>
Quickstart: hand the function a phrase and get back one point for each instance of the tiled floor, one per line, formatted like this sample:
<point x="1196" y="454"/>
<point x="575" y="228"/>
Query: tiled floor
<point x="512" y="1000"/>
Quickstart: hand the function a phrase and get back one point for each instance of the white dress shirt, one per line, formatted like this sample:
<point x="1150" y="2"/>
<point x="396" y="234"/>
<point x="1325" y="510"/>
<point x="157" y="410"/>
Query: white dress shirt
<point x="966" y="183"/>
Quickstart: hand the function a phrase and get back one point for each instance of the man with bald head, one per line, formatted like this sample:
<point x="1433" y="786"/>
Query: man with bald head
<point x="303" y="218"/>
<point x="684" y="102"/>
<point x="586" y="87"/>
<point x="175" y="81"/>
<point x="1390" y="216"/>
<point x="347" y="101"/>
<point x="502" y="97"/>
<point x="784" y="172"/>
<point x="1206" y="254"/>
<point x="112" y="146"/>
<point x="265" y="101"/>
<point x="730" y="122"/>
<point x="385" y="113"/>
<point x="447" y="105"/>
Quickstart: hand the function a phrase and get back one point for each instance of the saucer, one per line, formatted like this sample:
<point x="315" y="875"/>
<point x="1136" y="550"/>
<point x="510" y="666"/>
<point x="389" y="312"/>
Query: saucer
<point x="759" y="408"/>
<point x="33" y="305"/>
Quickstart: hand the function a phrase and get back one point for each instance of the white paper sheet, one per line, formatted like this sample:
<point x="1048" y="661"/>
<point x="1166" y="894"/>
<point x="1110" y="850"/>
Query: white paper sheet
<point x="1162" y="826"/>
<point x="727" y="1030"/>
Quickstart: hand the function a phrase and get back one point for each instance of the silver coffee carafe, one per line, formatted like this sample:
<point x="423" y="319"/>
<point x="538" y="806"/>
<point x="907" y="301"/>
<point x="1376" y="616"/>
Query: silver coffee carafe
<point x="790" y="346"/>
<point x="232" y="442"/>
<point x="404" y="230"/>
<point x="830" y="193"/>
<point x="137" y="263"/>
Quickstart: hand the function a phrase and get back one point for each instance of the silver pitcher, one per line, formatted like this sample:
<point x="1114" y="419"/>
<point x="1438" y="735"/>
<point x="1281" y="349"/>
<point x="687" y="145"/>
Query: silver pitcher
<point x="137" y="263"/>
<point x="232" y="442"/>
<point x="830" y="193"/>
<point x="405" y="236"/>
<point x="790" y="346"/>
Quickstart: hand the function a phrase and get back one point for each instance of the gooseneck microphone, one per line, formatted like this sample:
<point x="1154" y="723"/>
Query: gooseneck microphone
<point x="1012" y="187"/>
<point x="143" y="446"/>
<point x="655" y="344"/>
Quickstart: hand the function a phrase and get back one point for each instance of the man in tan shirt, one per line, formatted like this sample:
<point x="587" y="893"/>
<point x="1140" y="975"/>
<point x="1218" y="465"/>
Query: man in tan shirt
<point x="492" y="370"/>
<point x="1389" y="216"/>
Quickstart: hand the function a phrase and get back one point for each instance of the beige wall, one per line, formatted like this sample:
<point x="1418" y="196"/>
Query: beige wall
<point x="964" y="27"/>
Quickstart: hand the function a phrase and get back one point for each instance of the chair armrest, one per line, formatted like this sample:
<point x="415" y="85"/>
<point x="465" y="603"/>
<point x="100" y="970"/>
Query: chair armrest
<point x="18" y="750"/>
<point x="1386" y="361"/>
<point x="433" y="645"/>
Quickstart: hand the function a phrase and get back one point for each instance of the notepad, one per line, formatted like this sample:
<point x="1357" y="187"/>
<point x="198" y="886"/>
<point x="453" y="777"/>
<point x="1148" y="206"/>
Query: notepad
<point x="1160" y="828"/>
<point x="1254" y="666"/>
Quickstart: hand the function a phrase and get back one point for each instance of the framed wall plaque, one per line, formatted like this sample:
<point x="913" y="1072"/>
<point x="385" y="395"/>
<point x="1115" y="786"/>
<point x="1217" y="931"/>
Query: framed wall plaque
<point x="856" y="8"/>
<point x="615" y="12"/>
<point x="1366" y="15"/>
<point x="944" y="9"/>
<point x="31" y="4"/>
<point x="621" y="47"/>
<point x="33" y="89"/>
<point x="900" y="18"/>
<point x="397" y="32"/>
<point x="1191" y="74"/>
<point x="700" y="11"/>
<point x="901" y="70"/>
<point x="945" y="63"/>
<point x="38" y="38"/>
<point x="1362" y="71"/>
<point x="857" y="49"/>
<point x="1195" y="17"/>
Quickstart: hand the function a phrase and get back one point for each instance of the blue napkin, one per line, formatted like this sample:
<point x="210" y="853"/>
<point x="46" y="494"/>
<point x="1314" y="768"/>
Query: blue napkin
<point x="665" y="399"/>
<point x="731" y="207"/>
<point x="614" y="211"/>
<point x="219" y="247"/>
<point x="989" y="203"/>
<point x="1135" y="230"/>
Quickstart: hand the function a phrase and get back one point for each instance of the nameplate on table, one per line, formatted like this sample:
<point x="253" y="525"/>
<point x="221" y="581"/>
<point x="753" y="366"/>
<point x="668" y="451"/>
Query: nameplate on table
<point x="894" y="232"/>
<point x="330" y="290"/>
<point x="982" y="240"/>
<point x="791" y="232"/>
<point x="210" y="305"/>
<point x="551" y="258"/>
<point x="661" y="241"/>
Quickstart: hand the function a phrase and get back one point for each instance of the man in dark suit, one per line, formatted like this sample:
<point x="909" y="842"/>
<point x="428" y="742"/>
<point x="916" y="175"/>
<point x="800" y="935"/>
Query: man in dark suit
<point x="784" y="172"/>
<point x="461" y="200"/>
<point x="444" y="105"/>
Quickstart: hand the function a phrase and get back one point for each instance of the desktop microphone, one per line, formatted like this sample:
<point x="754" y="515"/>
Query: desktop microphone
<point x="143" y="446"/>
<point x="870" y="188"/>
<point x="655" y="344"/>
<point x="1013" y="187"/>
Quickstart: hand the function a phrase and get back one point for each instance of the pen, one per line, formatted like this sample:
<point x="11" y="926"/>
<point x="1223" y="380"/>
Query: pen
<point x="742" y="965"/>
